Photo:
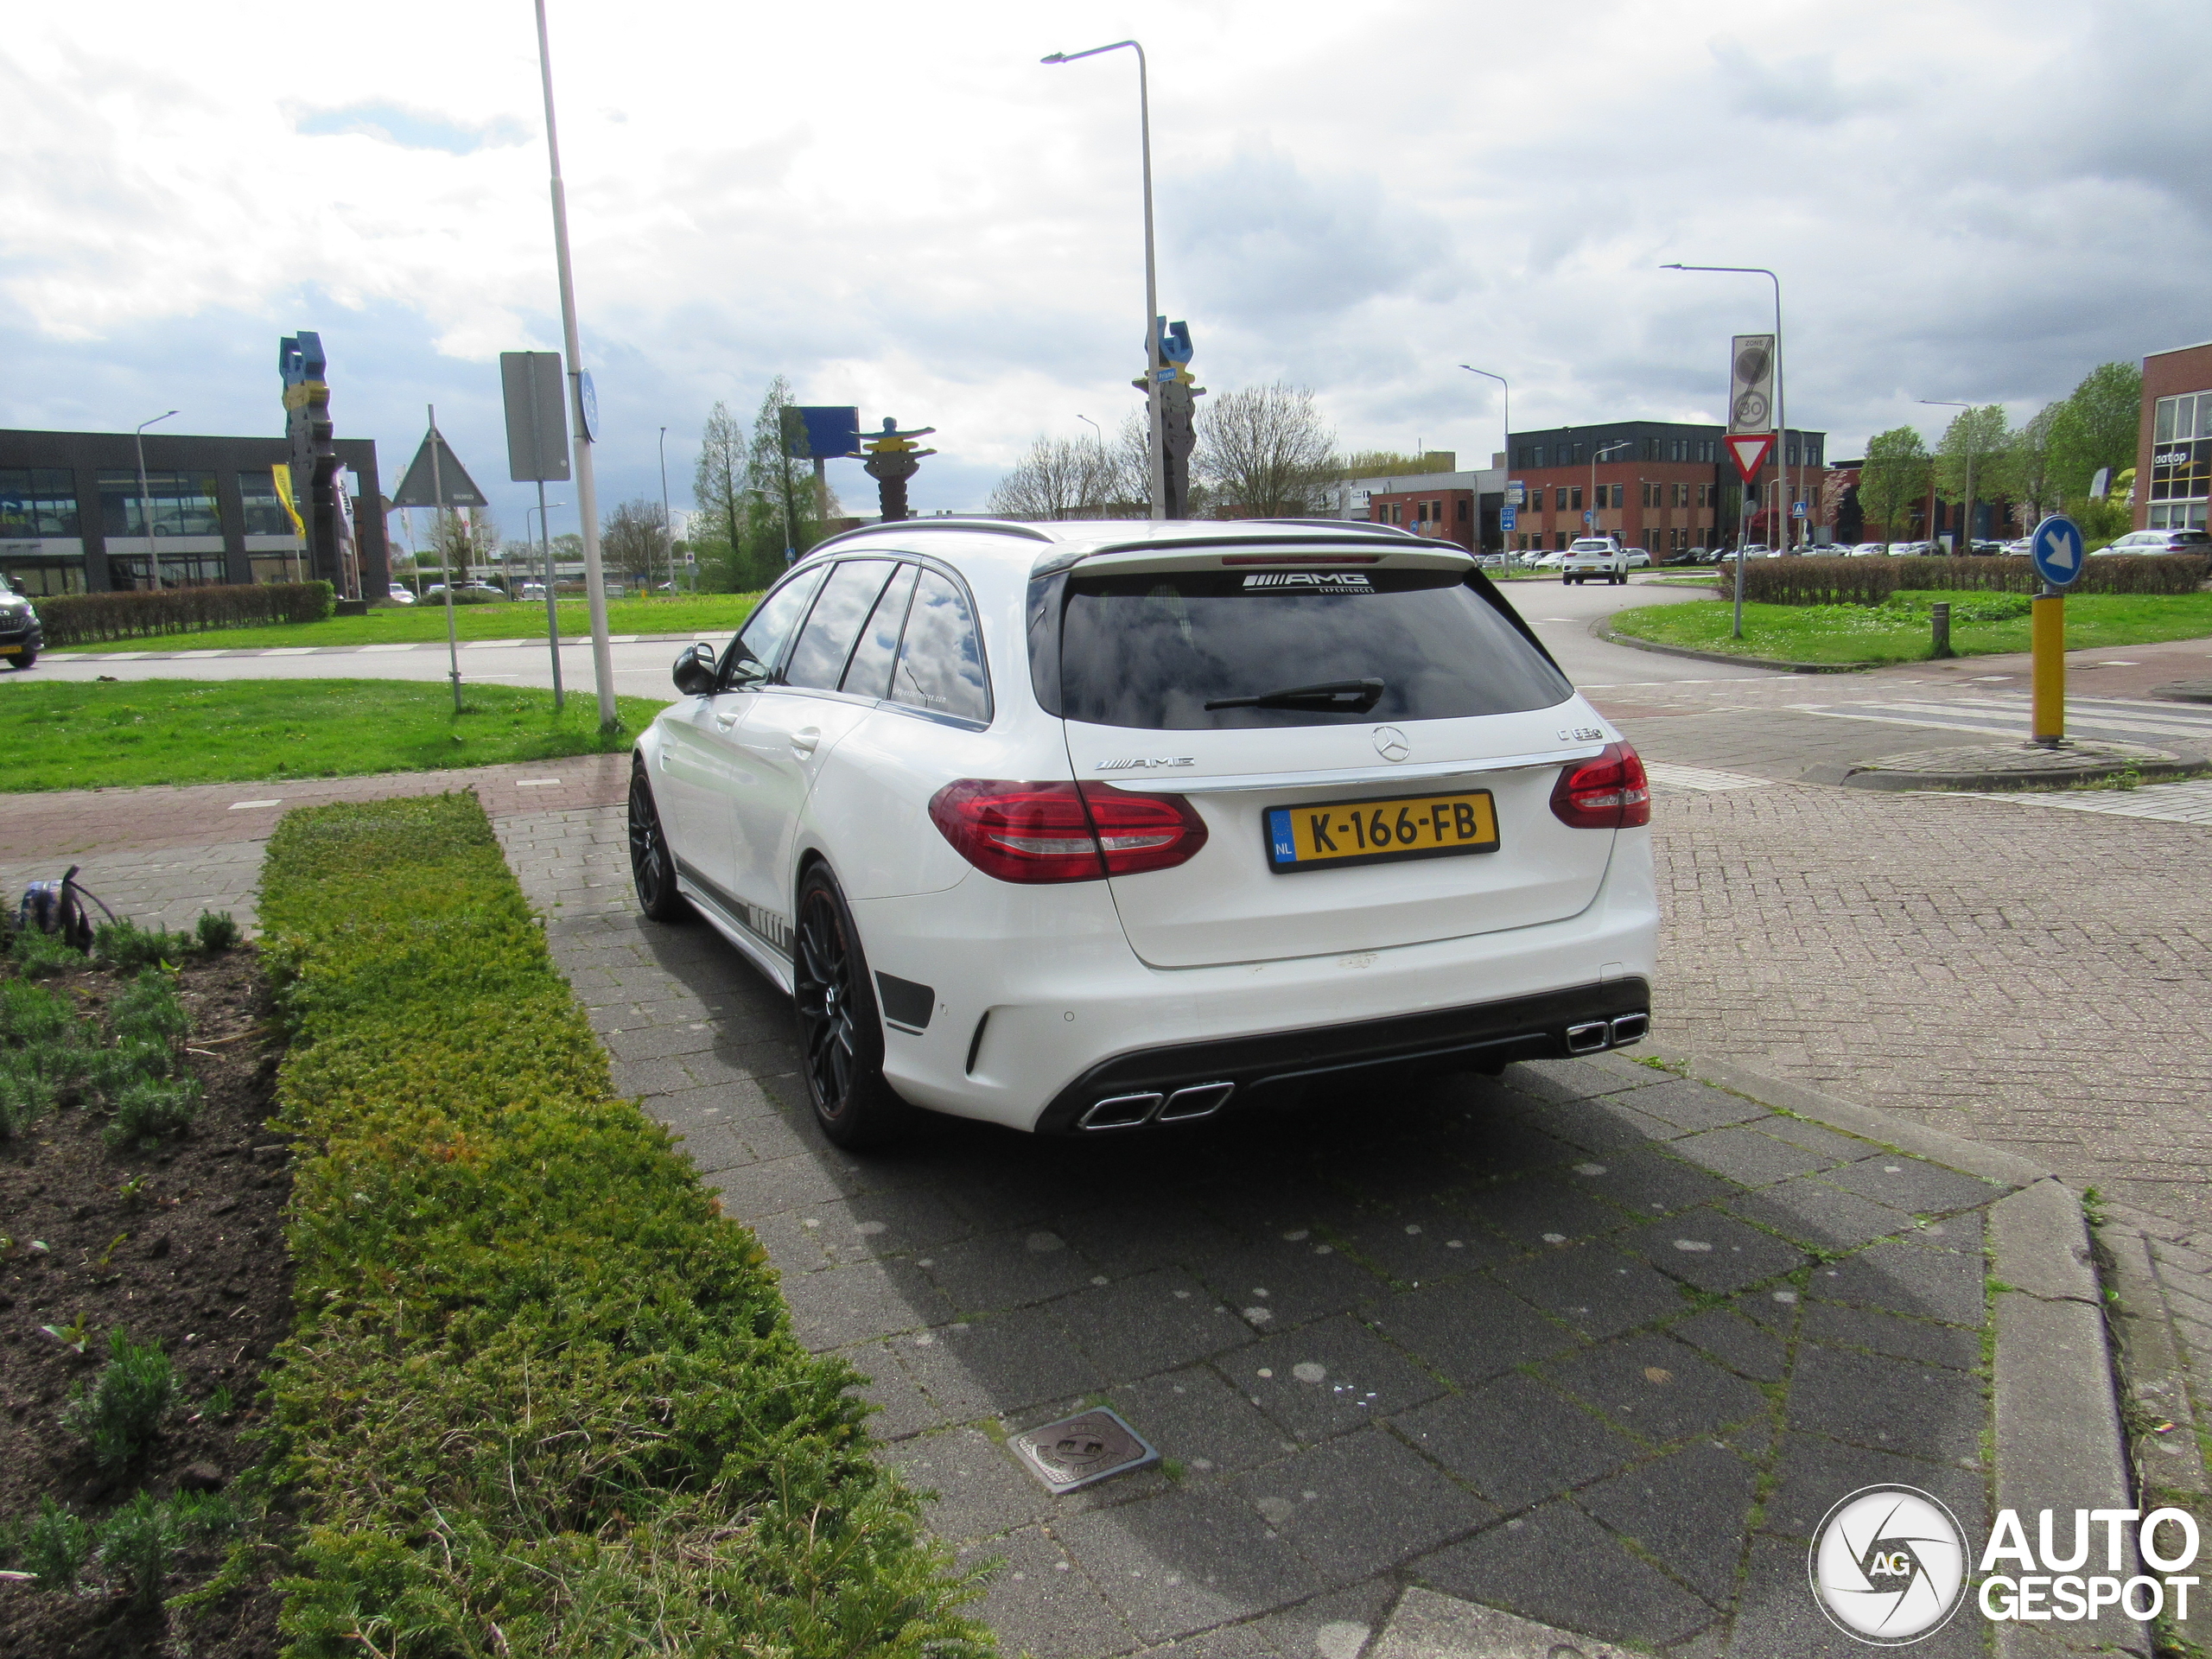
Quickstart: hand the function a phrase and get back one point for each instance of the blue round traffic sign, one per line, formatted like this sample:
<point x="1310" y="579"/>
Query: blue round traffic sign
<point x="2057" y="551"/>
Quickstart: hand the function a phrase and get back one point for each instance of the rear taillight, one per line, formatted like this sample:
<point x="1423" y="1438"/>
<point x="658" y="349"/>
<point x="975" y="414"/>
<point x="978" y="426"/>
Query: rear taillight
<point x="1609" y="792"/>
<point x="1064" y="832"/>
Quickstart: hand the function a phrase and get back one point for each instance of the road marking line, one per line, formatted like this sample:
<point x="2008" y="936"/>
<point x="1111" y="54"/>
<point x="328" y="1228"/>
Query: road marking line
<point x="240" y="806"/>
<point x="286" y="651"/>
<point x="1700" y="778"/>
<point x="535" y="782"/>
<point x="389" y="647"/>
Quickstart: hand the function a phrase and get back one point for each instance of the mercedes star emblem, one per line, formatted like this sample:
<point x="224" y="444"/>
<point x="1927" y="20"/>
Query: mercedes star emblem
<point x="1390" y="743"/>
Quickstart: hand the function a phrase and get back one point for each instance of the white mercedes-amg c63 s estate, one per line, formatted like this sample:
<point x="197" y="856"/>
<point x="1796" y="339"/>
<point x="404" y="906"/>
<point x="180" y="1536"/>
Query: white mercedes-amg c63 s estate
<point x="1090" y="828"/>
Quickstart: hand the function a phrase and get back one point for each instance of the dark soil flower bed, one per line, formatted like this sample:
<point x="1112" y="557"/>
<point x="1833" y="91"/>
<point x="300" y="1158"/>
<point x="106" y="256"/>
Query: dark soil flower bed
<point x="178" y="1241"/>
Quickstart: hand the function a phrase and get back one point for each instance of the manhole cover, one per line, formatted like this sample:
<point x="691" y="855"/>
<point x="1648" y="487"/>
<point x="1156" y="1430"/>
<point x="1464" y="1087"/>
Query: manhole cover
<point x="1077" y="1451"/>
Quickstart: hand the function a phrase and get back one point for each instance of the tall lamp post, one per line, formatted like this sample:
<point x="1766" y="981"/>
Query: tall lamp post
<point x="146" y="497"/>
<point x="667" y="524"/>
<point x="583" y="405"/>
<point x="1502" y="381"/>
<point x="1596" y="455"/>
<point x="1152" y="363"/>
<point x="1965" y="539"/>
<point x="1781" y="407"/>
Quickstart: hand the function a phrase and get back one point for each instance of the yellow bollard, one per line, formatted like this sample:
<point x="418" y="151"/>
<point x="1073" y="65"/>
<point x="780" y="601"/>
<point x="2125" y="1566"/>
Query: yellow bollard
<point x="2047" y="633"/>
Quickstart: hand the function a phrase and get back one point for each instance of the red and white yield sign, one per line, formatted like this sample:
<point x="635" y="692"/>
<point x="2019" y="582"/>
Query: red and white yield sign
<point x="1749" y="451"/>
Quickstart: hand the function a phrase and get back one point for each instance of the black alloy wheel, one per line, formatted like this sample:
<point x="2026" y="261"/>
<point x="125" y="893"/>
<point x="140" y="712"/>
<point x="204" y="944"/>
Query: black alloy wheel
<point x="841" y="1034"/>
<point x="652" y="868"/>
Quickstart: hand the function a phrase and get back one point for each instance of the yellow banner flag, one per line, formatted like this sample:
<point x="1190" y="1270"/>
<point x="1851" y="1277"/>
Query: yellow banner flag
<point x="284" y="477"/>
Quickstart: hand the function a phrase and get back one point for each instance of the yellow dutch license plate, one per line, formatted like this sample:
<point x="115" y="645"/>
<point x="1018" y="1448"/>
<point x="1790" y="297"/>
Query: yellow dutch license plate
<point x="11" y="651"/>
<point x="1338" y="833"/>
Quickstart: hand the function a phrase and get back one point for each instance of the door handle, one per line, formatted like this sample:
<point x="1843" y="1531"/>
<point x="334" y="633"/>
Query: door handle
<point x="727" y="721"/>
<point x="805" y="740"/>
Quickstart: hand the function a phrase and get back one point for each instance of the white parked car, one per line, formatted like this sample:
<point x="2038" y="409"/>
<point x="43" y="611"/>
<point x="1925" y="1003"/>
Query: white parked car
<point x="1088" y="827"/>
<point x="2161" y="541"/>
<point x="1638" y="559"/>
<point x="1595" y="555"/>
<point x="399" y="593"/>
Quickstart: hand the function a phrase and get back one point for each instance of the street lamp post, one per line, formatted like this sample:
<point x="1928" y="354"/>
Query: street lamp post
<point x="1782" y="409"/>
<point x="146" y="498"/>
<point x="1966" y="540"/>
<point x="1152" y="363"/>
<point x="1598" y="454"/>
<point x="1502" y="381"/>
<point x="667" y="524"/>
<point x="583" y="408"/>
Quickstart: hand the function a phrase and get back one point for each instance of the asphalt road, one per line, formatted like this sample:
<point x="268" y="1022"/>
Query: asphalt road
<point x="1560" y="615"/>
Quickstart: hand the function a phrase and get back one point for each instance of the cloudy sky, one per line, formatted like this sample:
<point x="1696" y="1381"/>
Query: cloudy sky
<point x="898" y="206"/>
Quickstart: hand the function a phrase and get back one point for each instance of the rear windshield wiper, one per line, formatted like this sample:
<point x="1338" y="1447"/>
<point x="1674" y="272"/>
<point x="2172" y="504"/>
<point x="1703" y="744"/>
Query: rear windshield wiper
<point x="1350" y="697"/>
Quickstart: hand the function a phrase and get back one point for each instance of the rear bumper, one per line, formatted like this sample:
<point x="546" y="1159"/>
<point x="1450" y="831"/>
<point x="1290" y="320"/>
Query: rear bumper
<point x="1581" y="1019"/>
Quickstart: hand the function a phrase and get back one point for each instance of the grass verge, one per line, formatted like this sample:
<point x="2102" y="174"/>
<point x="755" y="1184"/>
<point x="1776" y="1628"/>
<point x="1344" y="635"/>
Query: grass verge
<point x="63" y="735"/>
<point x="1898" y="631"/>
<point x="542" y="1399"/>
<point x="710" y="615"/>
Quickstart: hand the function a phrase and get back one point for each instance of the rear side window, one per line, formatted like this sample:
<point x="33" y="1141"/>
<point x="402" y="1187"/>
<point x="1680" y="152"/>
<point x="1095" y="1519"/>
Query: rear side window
<point x="868" y="675"/>
<point x="1151" y="651"/>
<point x="761" y="640"/>
<point x="941" y="661"/>
<point x="818" y="660"/>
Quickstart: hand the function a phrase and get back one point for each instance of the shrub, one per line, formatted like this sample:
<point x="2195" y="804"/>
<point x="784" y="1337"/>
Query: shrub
<point x="150" y="1108"/>
<point x="109" y="1071"/>
<point x="134" y="1545"/>
<point x="147" y="1009"/>
<point x="126" y="945"/>
<point x="87" y="619"/>
<point x="40" y="955"/>
<point x="29" y="1012"/>
<point x="119" y="1415"/>
<point x="217" y="933"/>
<point x="55" y="1545"/>
<point x="484" y="1236"/>
<point x="25" y="1097"/>
<point x="1871" y="581"/>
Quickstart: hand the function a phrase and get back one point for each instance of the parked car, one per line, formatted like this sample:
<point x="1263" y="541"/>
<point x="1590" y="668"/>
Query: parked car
<point x="1913" y="550"/>
<point x="2156" y="542"/>
<point x="1595" y="555"/>
<point x="1867" y="551"/>
<point x="21" y="635"/>
<point x="2021" y="549"/>
<point x="1639" y="559"/>
<point x="1084" y="827"/>
<point x="1550" y="561"/>
<point x="532" y="590"/>
<point x="467" y="593"/>
<point x="399" y="593"/>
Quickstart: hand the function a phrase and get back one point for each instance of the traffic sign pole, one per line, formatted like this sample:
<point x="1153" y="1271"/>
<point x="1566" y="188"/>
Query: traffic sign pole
<point x="2059" y="556"/>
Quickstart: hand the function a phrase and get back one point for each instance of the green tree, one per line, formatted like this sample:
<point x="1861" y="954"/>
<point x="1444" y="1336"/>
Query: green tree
<point x="785" y="483"/>
<point x="1972" y="447"/>
<point x="1895" y="475"/>
<point x="718" y="491"/>
<point x="2096" y="426"/>
<point x="461" y="540"/>
<point x="2028" y="474"/>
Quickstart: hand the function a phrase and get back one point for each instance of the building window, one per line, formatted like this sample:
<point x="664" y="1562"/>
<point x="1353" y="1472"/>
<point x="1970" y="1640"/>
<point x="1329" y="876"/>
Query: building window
<point x="1575" y="501"/>
<point x="183" y="504"/>
<point x="1466" y="514"/>
<point x="2181" y="461"/>
<point x="265" y="513"/>
<point x="38" y="501"/>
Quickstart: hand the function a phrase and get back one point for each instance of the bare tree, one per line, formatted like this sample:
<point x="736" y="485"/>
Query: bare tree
<point x="458" y="544"/>
<point x="1267" y="452"/>
<point x="632" y="541"/>
<point x="1058" y="478"/>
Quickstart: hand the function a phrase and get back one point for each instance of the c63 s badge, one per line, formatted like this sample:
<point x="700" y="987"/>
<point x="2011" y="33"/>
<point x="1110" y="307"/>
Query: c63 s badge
<point x="1581" y="734"/>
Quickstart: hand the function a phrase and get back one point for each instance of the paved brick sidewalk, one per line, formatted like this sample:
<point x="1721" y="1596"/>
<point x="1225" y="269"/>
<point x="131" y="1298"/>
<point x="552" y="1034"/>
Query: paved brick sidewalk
<point x="1591" y="1344"/>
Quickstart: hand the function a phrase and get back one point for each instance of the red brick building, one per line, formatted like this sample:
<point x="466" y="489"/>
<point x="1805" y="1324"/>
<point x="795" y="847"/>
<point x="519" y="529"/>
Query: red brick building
<point x="1655" y="484"/>
<point x="2173" y="461"/>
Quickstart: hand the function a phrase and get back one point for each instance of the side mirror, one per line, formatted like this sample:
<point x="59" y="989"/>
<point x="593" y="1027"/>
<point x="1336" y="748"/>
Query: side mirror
<point x="694" y="672"/>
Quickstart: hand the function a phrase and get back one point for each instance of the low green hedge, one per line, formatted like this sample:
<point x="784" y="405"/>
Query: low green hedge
<point x="87" y="619"/>
<point x="1871" y="581"/>
<point x="542" y="1398"/>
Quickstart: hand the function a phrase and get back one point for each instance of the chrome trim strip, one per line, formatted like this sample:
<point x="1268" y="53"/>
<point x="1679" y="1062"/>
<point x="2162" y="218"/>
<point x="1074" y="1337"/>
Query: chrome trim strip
<point x="1182" y="783"/>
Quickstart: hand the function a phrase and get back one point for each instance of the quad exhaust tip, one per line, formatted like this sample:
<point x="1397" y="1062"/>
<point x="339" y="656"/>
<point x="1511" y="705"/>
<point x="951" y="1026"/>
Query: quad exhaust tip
<point x="1631" y="1028"/>
<point x="1132" y="1111"/>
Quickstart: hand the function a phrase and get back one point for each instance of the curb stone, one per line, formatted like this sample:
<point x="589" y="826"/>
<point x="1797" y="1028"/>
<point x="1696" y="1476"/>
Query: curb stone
<point x="1603" y="629"/>
<point x="2058" y="1436"/>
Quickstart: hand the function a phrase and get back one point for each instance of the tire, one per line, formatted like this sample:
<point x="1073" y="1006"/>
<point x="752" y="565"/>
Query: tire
<point x="652" y="867"/>
<point x="25" y="660"/>
<point x="839" y="1031"/>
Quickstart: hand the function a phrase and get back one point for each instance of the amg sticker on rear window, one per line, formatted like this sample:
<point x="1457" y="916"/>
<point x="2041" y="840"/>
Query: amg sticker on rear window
<point x="1334" y="581"/>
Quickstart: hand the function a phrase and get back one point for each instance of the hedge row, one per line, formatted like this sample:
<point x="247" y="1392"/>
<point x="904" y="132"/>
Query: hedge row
<point x="1871" y="581"/>
<point x="87" y="619"/>
<point x="542" y="1399"/>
